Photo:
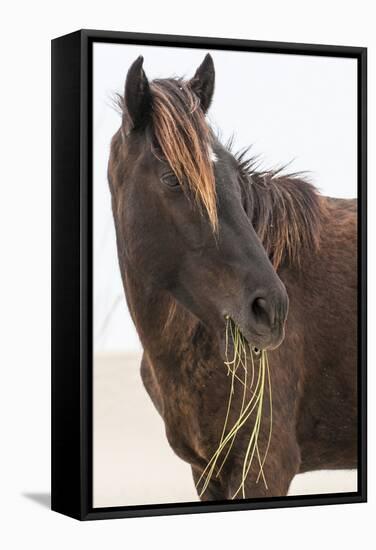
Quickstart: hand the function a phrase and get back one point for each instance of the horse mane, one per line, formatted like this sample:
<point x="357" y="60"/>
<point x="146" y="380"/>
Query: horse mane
<point x="286" y="210"/>
<point x="185" y="139"/>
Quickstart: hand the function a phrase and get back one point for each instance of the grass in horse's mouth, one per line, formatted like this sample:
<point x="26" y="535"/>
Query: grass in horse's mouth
<point x="237" y="367"/>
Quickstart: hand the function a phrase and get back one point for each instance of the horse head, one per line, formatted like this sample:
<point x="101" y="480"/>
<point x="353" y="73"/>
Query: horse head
<point x="182" y="219"/>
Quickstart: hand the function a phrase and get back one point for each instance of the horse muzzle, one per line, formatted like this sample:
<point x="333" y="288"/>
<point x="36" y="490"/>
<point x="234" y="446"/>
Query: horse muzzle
<point x="265" y="326"/>
<point x="262" y="322"/>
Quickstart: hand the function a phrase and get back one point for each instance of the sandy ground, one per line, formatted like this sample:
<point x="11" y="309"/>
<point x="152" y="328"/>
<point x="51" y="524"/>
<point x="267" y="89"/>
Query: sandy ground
<point x="133" y="463"/>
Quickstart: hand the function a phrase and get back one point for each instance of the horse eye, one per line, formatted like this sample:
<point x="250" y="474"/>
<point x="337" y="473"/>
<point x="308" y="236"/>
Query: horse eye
<point x="170" y="180"/>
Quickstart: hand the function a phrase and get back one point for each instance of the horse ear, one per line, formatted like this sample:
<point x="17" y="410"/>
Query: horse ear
<point x="137" y="96"/>
<point x="203" y="82"/>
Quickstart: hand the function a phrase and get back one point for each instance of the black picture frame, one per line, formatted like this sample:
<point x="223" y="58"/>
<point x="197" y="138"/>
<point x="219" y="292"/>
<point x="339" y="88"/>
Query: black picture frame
<point x="72" y="256"/>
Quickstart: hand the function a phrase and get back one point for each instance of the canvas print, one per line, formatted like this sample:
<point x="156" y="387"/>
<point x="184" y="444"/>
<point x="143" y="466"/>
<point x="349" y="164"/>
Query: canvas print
<point x="224" y="275"/>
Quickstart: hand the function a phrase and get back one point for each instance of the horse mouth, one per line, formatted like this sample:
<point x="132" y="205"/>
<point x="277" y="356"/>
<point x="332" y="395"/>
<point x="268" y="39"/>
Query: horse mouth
<point x="255" y="341"/>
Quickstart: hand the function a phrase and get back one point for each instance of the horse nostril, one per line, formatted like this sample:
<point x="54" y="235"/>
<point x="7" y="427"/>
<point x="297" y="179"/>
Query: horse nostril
<point x="264" y="312"/>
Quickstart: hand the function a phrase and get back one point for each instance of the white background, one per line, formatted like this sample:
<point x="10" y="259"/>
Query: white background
<point x="25" y="274"/>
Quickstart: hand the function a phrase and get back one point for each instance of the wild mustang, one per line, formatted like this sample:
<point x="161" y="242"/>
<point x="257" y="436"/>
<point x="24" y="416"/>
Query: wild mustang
<point x="203" y="237"/>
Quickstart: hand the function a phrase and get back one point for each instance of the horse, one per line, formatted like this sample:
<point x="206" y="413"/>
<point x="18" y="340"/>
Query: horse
<point x="204" y="235"/>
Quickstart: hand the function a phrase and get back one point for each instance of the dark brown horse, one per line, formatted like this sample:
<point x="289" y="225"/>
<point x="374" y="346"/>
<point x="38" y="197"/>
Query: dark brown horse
<point x="203" y="236"/>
